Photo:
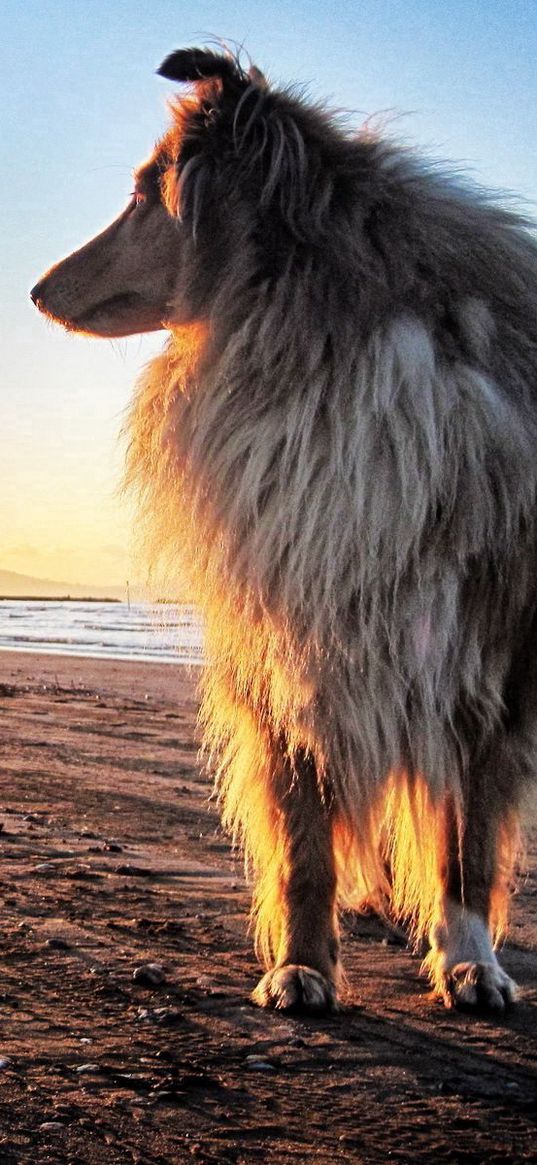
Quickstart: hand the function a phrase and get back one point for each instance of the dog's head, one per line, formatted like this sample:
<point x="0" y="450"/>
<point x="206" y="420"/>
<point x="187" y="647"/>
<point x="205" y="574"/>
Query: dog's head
<point x="237" y="183"/>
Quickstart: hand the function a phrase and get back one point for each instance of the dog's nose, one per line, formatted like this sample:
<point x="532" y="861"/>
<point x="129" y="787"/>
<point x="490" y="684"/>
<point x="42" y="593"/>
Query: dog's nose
<point x="35" y="294"/>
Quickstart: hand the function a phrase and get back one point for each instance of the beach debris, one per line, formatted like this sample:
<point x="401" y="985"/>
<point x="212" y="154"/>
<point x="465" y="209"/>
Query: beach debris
<point x="52" y="1126"/>
<point x="58" y="944"/>
<point x="113" y="847"/>
<point x="86" y="1069"/>
<point x="149" y="975"/>
<point x="165" y="1016"/>
<point x="83" y="874"/>
<point x="5" y="1062"/>
<point x="134" y="871"/>
<point x="257" y="1064"/>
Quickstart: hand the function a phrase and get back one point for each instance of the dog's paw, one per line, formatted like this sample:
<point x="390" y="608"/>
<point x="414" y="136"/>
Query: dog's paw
<point x="478" y="987"/>
<point x="296" y="988"/>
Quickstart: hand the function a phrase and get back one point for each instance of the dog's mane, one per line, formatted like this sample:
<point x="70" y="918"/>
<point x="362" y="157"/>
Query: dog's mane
<point x="375" y="221"/>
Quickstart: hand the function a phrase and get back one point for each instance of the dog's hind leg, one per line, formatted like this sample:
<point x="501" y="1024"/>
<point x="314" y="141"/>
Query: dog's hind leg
<point x="462" y="962"/>
<point x="306" y="971"/>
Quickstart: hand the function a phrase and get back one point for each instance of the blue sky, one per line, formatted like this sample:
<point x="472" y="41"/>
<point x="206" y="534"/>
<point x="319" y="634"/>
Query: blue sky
<point x="82" y="105"/>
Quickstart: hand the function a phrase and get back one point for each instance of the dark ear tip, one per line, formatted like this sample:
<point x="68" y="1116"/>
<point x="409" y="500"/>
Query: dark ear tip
<point x="195" y="65"/>
<point x="171" y="67"/>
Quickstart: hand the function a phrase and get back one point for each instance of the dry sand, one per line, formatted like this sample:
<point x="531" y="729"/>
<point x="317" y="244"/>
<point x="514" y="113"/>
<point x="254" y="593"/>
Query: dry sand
<point x="112" y="858"/>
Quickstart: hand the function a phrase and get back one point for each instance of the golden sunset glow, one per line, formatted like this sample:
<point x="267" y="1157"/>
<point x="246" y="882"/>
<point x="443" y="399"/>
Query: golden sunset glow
<point x="268" y="500"/>
<point x="62" y="518"/>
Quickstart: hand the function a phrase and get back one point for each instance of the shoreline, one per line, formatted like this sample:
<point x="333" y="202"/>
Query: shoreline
<point x="119" y="658"/>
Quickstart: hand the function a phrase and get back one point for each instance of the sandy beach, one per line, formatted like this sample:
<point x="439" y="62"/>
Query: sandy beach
<point x="112" y="858"/>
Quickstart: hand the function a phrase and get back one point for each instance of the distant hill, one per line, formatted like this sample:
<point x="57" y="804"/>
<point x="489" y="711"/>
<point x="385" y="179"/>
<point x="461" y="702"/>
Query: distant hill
<point x="14" y="585"/>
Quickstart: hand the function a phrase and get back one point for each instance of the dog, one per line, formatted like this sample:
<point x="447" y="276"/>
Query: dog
<point x="340" y="439"/>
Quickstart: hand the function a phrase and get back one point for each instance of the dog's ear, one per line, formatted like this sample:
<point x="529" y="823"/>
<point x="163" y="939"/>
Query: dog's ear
<point x="198" y="65"/>
<point x="239" y="118"/>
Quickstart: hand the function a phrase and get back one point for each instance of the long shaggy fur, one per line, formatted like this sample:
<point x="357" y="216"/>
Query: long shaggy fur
<point x="344" y="457"/>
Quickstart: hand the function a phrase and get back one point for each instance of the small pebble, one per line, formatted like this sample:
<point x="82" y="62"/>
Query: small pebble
<point x="259" y="1065"/>
<point x="58" y="944"/>
<point x="149" y="975"/>
<point x="5" y="1062"/>
<point x="208" y="984"/>
<point x="51" y="1126"/>
<point x="83" y="1068"/>
<point x="167" y="1016"/>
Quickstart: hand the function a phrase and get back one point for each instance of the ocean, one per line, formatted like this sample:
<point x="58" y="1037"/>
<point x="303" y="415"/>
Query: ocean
<point x="166" y="633"/>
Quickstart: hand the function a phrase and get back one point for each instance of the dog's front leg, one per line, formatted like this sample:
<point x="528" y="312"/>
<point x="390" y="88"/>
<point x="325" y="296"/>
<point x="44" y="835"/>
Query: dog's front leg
<point x="306" y="971"/>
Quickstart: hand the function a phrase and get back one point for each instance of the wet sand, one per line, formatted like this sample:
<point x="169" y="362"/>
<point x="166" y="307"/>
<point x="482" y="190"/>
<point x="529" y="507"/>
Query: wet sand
<point x="111" y="859"/>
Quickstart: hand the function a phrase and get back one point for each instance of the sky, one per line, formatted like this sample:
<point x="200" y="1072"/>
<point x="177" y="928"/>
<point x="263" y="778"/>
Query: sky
<point x="81" y="106"/>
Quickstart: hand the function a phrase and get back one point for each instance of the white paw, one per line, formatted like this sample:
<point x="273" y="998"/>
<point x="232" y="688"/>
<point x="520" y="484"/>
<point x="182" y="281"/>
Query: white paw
<point x="462" y="963"/>
<point x="295" y="988"/>
<point x="478" y="987"/>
